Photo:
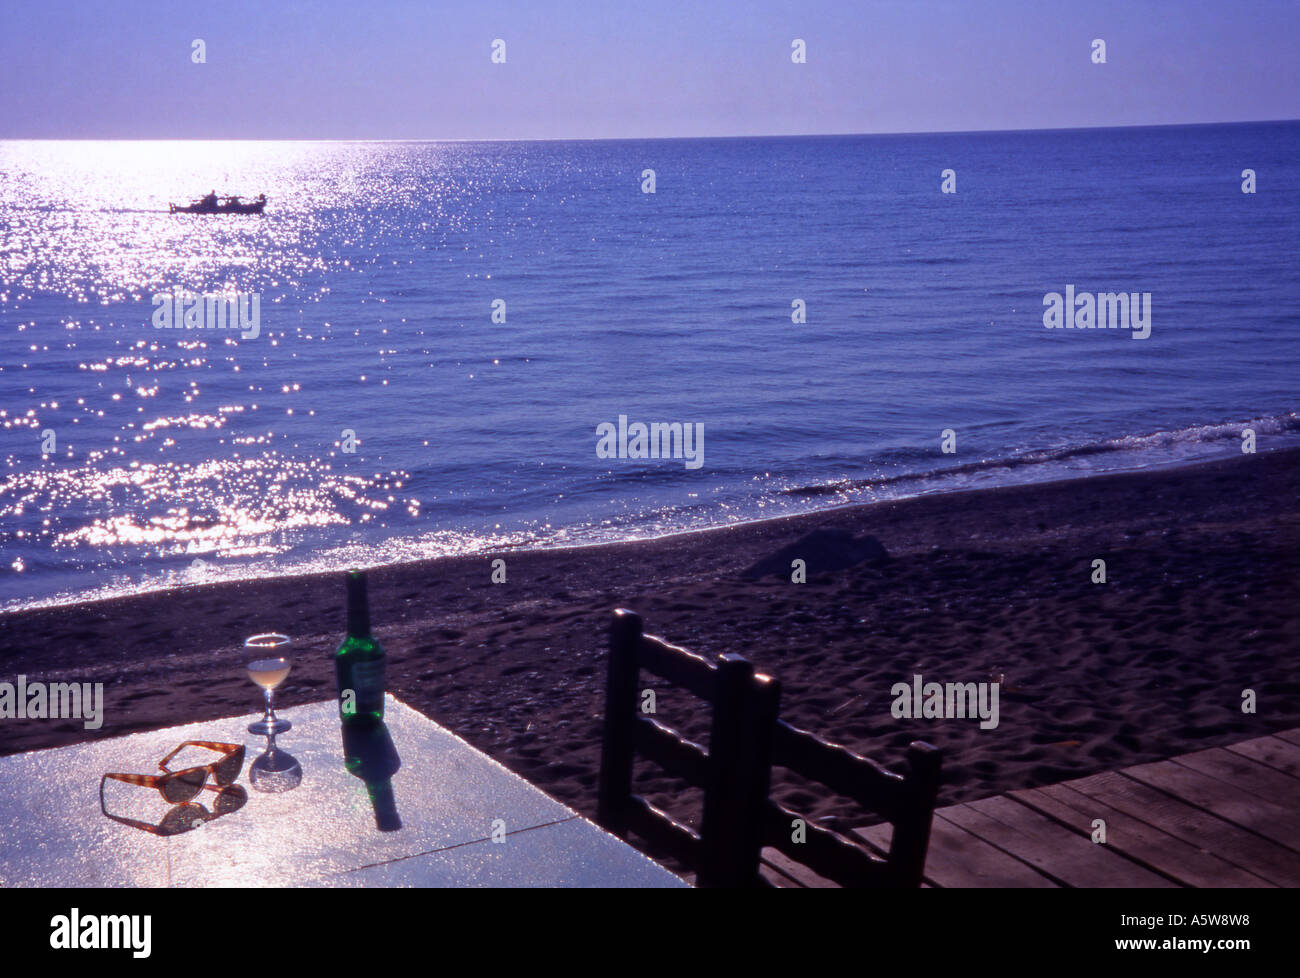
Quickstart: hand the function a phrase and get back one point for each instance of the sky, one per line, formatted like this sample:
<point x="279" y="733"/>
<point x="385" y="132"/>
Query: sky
<point x="419" y="69"/>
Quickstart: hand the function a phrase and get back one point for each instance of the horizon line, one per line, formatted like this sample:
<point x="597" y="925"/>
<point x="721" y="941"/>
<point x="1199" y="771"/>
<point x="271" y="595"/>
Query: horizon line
<point x="596" y="139"/>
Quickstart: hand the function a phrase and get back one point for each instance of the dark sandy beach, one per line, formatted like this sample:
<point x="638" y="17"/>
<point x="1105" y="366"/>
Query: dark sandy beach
<point x="1200" y="604"/>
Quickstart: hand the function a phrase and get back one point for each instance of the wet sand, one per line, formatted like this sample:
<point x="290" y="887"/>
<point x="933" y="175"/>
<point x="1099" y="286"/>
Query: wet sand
<point x="1200" y="604"/>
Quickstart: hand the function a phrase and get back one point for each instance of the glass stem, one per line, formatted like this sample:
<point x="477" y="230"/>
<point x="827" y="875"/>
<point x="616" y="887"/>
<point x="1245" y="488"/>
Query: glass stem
<point x="270" y="710"/>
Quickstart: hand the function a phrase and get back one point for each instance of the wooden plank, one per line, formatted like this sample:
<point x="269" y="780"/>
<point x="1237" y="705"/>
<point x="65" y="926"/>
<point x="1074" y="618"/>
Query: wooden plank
<point x="876" y="837"/>
<point x="798" y="872"/>
<point x="1290" y="736"/>
<point x="1230" y="803"/>
<point x="1273" y="751"/>
<point x="1051" y="848"/>
<point x="775" y="877"/>
<point x="779" y="880"/>
<point x="1193" y="825"/>
<point x="959" y="859"/>
<point x="1247" y="774"/>
<point x="1136" y="839"/>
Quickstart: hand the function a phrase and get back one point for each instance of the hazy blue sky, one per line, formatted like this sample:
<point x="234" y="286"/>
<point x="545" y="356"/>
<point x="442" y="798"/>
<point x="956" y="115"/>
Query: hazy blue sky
<point x="598" y="68"/>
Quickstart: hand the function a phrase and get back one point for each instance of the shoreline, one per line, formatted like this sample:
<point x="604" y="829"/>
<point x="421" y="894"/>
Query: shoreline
<point x="1201" y="603"/>
<point x="75" y="601"/>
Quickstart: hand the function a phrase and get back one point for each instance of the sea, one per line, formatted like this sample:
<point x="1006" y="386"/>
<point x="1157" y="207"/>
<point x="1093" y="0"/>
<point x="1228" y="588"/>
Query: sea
<point x="438" y="334"/>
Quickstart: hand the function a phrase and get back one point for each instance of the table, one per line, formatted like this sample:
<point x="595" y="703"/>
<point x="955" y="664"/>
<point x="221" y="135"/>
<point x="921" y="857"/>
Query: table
<point x="451" y="800"/>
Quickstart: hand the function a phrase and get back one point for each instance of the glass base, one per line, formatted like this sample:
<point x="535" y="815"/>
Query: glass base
<point x="275" y="772"/>
<point x="266" y="727"/>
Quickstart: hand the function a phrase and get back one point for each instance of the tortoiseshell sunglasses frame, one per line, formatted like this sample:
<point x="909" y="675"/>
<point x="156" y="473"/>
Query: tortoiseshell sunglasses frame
<point x="232" y="751"/>
<point x="224" y="773"/>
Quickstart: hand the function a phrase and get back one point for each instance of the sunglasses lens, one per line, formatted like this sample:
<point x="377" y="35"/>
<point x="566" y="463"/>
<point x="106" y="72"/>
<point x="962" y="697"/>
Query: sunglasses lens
<point x="183" y="818"/>
<point x="184" y="785"/>
<point x="228" y="769"/>
<point x="230" y="799"/>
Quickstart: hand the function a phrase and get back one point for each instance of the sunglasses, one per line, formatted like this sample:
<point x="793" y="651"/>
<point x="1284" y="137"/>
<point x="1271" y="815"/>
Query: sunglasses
<point x="178" y="787"/>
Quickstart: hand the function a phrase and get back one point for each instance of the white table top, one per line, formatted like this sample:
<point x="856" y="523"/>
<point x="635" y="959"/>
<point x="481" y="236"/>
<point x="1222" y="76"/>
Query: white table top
<point x="321" y="833"/>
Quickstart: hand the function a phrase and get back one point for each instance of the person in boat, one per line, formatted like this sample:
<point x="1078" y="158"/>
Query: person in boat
<point x="209" y="202"/>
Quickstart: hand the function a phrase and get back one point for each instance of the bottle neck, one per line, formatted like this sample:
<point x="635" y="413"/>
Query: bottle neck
<point x="358" y="606"/>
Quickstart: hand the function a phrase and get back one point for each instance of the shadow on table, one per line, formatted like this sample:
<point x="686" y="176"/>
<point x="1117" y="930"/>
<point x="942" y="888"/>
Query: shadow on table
<point x="369" y="754"/>
<point x="184" y="817"/>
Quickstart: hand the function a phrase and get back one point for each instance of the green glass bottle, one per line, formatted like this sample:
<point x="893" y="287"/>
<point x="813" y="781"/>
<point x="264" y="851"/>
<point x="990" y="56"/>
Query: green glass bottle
<point x="359" y="662"/>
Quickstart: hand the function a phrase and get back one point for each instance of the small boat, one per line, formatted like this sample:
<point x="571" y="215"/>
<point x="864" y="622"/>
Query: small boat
<point x="211" y="204"/>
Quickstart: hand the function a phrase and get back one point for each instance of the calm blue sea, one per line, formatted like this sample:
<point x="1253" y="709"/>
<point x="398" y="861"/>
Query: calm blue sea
<point x="136" y="457"/>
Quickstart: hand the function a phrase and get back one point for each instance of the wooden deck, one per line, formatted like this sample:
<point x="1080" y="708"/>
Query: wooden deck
<point x="1224" y="817"/>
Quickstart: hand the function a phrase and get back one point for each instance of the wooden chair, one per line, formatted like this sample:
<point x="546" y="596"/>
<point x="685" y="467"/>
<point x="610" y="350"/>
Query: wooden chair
<point x="746" y="739"/>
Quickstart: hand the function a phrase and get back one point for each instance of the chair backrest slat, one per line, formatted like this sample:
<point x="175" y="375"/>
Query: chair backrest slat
<point x="677" y="756"/>
<point x="850" y="774"/>
<point x="823" y="851"/>
<point x="678" y="666"/>
<point x="664" y="831"/>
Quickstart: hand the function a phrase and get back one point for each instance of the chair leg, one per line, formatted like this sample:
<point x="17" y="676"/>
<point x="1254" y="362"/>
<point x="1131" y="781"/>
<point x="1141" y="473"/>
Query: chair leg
<point x="911" y="838"/>
<point x="616" y="751"/>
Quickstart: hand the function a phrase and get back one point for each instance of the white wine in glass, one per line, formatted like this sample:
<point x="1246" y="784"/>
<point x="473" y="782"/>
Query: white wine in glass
<point x="266" y="658"/>
<point x="268" y="673"/>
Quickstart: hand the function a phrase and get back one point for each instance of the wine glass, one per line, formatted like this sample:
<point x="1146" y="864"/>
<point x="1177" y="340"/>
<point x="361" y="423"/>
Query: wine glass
<point x="267" y="660"/>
